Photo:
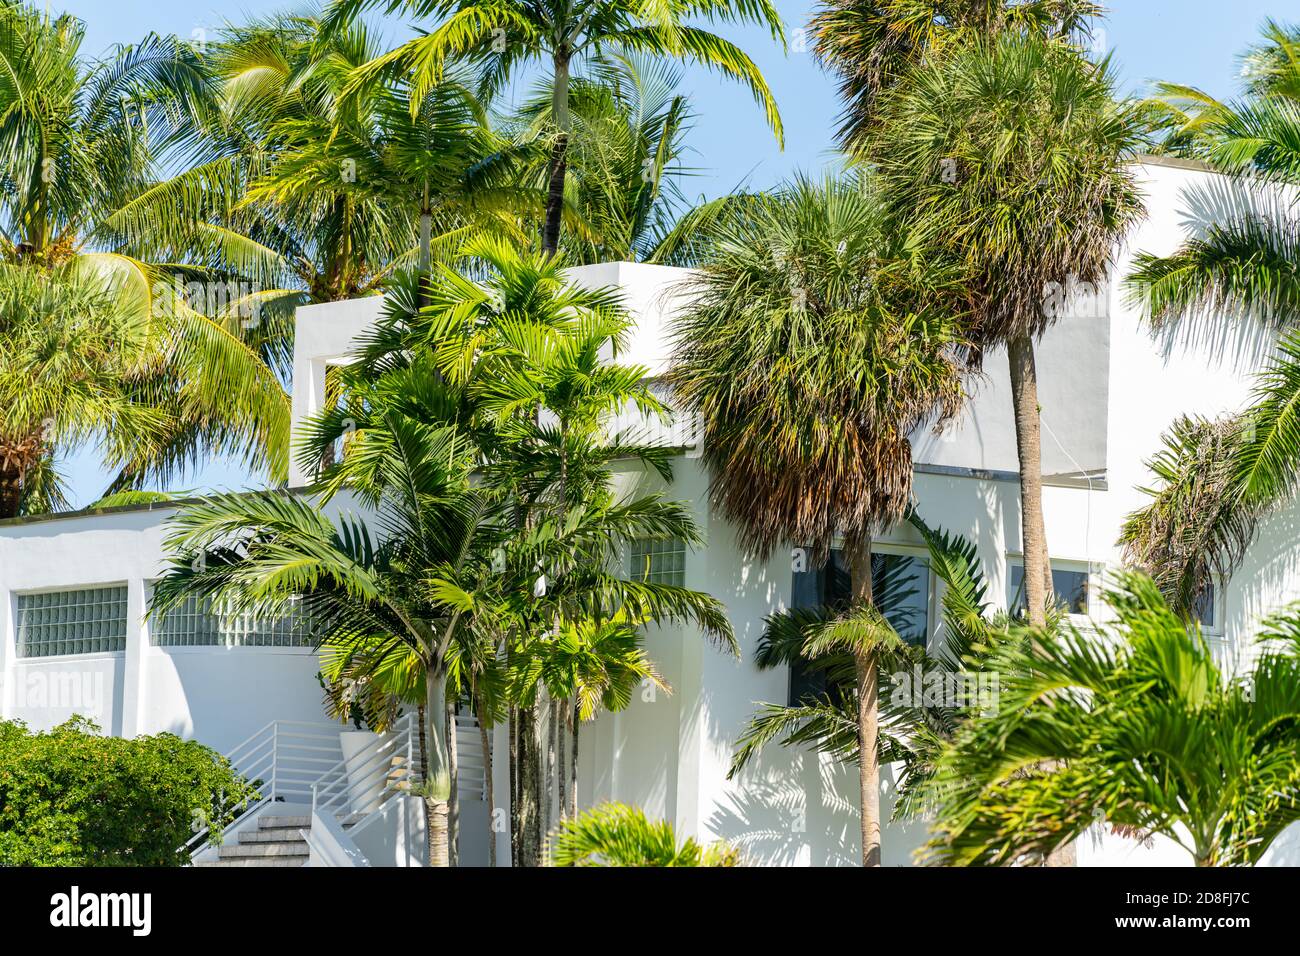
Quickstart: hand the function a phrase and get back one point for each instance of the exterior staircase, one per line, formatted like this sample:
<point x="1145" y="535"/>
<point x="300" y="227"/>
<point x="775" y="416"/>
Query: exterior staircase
<point x="277" y="840"/>
<point x="301" y="767"/>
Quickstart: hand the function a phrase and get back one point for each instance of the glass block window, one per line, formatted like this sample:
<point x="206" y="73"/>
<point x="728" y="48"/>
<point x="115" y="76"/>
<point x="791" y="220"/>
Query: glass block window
<point x="196" y="624"/>
<point x="658" y="561"/>
<point x="84" y="621"/>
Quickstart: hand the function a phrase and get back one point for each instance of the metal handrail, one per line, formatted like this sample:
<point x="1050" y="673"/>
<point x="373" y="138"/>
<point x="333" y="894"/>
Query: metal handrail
<point x="284" y="759"/>
<point x="291" y="759"/>
<point x="331" y="793"/>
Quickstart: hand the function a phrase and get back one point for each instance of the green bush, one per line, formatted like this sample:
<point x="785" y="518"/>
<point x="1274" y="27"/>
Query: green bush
<point x="72" y="797"/>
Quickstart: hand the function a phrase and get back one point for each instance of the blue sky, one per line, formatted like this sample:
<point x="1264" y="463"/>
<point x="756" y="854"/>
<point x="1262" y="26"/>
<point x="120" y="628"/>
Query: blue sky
<point x="1188" y="41"/>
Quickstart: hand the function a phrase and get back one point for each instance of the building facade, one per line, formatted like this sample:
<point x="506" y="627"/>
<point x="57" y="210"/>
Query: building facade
<point x="74" y="636"/>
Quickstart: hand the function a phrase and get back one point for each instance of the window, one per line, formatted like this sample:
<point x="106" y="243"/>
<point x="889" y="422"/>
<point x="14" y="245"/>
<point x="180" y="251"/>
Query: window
<point x="1209" y="613"/>
<point x="84" y="621"/>
<point x="195" y="624"/>
<point x="900" y="586"/>
<point x="658" y="561"/>
<point x="1069" y="585"/>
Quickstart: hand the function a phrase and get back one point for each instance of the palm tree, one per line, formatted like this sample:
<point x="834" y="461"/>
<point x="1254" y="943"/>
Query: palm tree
<point x="1010" y="157"/>
<point x="73" y="353"/>
<point x="392" y="591"/>
<point x="614" y="834"/>
<point x="518" y="364"/>
<point x="594" y="664"/>
<point x="1140" y="728"/>
<point x="83" y="139"/>
<point x="624" y="157"/>
<point x="873" y="45"/>
<point x="1247" y="266"/>
<point x="503" y="35"/>
<point x="316" y="193"/>
<point x="811" y="351"/>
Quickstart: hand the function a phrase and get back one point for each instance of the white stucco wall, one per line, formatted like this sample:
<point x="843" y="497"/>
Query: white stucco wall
<point x="217" y="695"/>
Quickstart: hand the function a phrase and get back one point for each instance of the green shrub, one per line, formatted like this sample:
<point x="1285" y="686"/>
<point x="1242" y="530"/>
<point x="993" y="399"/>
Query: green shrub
<point x="72" y="797"/>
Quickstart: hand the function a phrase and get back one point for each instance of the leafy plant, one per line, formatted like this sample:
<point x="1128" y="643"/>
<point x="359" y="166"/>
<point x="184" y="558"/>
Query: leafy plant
<point x="72" y="797"/>
<point x="1009" y="157"/>
<point x="1136" y="726"/>
<point x="502" y="36"/>
<point x="614" y="834"/>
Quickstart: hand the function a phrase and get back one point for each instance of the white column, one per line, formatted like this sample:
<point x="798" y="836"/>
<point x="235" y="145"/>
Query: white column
<point x="500" y="821"/>
<point x="8" y="653"/>
<point x="137" y="645"/>
<point x="307" y="400"/>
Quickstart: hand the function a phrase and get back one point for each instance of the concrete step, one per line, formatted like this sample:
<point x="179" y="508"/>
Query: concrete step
<point x="272" y="835"/>
<point x="257" y="861"/>
<point x="279" y="848"/>
<point x="273" y="821"/>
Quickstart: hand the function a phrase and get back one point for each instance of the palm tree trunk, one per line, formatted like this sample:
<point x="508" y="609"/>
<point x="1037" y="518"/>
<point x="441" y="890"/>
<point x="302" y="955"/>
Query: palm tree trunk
<point x="552" y="754"/>
<point x="561" y="737"/>
<point x="530" y="838"/>
<point x="437" y="786"/>
<point x="516" y="825"/>
<point x="424" y="746"/>
<point x="1037" y="565"/>
<point x="559" y="156"/>
<point x="485" y="741"/>
<point x="573" y="767"/>
<point x="1024" y="396"/>
<point x="453" y="796"/>
<point x="426" y="231"/>
<point x="868" y="715"/>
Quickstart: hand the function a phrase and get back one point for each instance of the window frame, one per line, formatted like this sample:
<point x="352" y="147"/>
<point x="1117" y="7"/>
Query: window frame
<point x="16" y="602"/>
<point x="931" y="605"/>
<point x="1092" y="579"/>
<point x="932" y="598"/>
<point x="1216" y="629"/>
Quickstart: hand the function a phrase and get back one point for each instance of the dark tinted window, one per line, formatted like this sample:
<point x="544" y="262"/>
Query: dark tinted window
<point x="1069" y="587"/>
<point x="901" y="588"/>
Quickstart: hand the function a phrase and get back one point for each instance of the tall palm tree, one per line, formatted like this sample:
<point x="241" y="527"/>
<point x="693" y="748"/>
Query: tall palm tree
<point x="314" y="193"/>
<point x="872" y="45"/>
<point x="82" y="139"/>
<point x="504" y="35"/>
<point x="516" y="360"/>
<point x="271" y="553"/>
<point x="1141" y="729"/>
<point x="1009" y="156"/>
<point x="811" y="351"/>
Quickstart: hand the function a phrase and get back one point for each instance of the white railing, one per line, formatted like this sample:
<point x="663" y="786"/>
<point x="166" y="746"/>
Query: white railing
<point x="283" y="761"/>
<point x="391" y="760"/>
<point x="302" y="763"/>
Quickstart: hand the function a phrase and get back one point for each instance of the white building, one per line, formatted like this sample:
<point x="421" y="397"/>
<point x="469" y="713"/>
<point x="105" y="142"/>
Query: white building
<point x="1108" y="389"/>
